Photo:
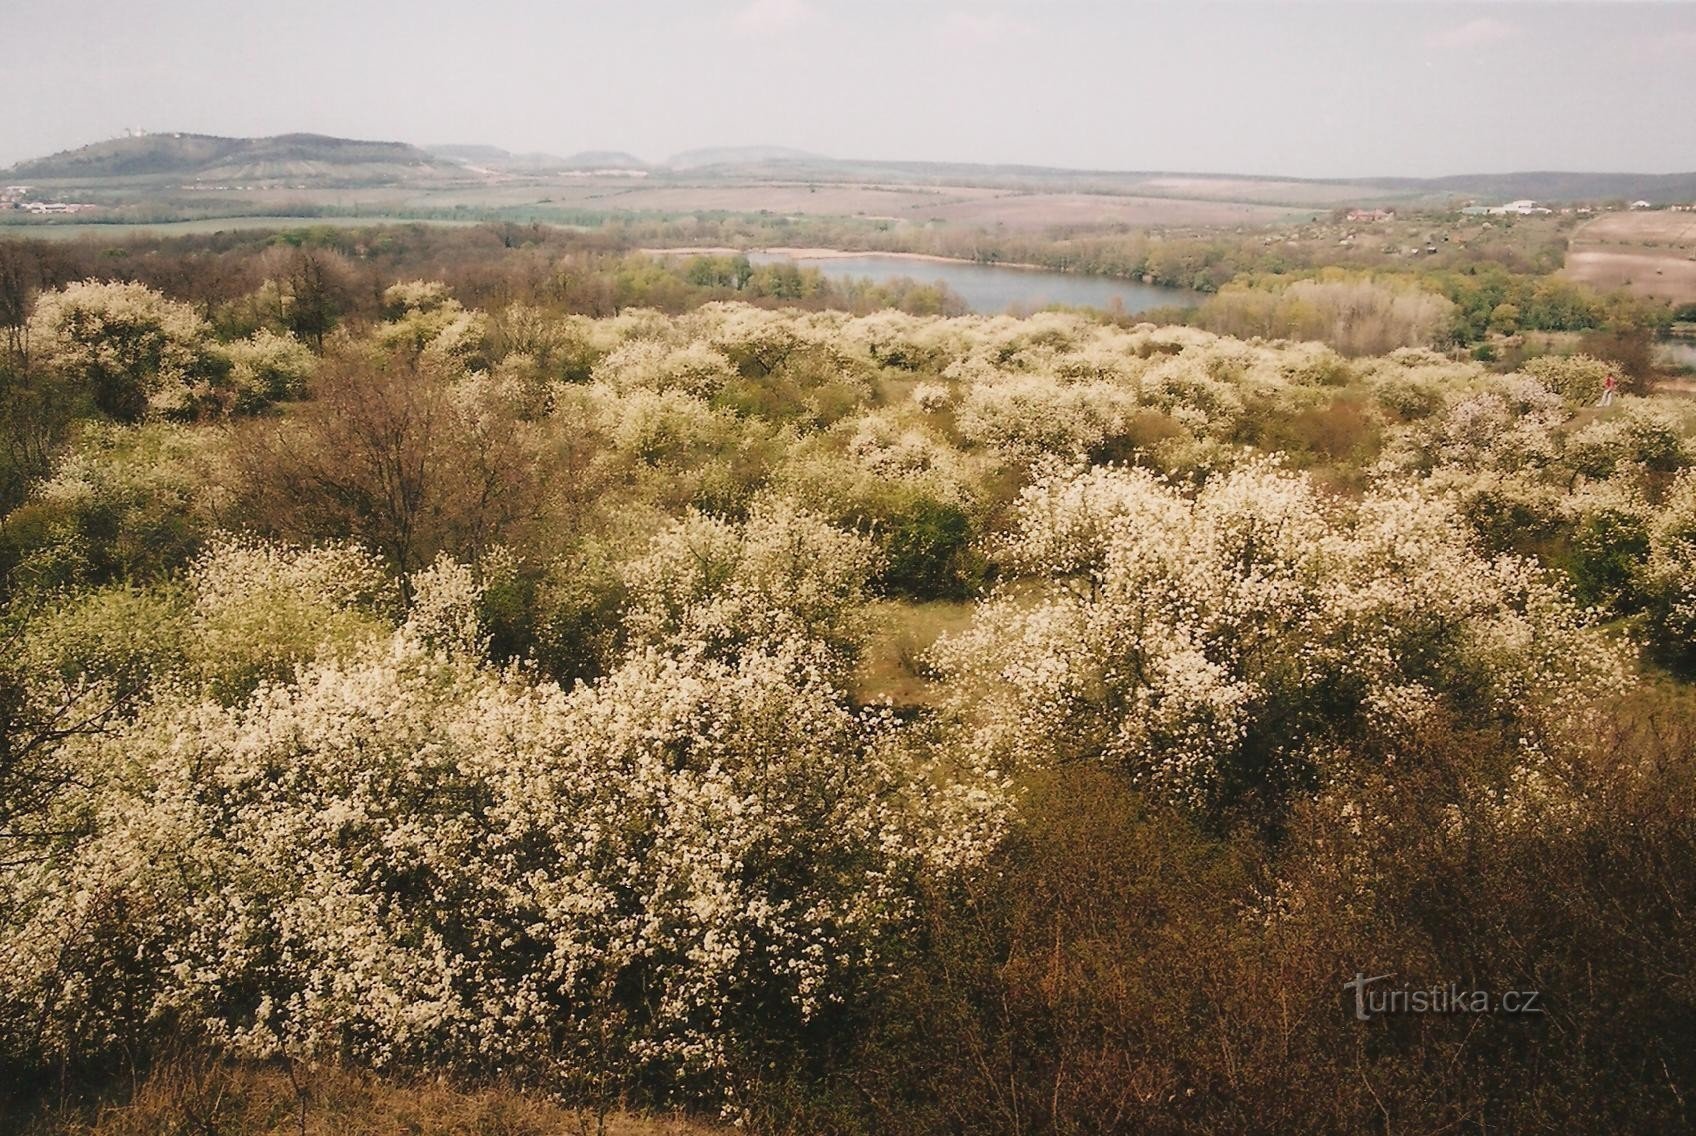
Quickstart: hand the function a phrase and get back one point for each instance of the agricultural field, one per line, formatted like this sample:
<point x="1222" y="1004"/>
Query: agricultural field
<point x="467" y="696"/>
<point x="1647" y="252"/>
<point x="963" y="205"/>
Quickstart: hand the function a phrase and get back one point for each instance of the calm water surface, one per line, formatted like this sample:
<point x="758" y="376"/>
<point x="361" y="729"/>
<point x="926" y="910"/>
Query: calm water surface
<point x="991" y="289"/>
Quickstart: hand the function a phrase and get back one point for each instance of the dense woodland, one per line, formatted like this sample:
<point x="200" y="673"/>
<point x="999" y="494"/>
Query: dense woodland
<point x="675" y="684"/>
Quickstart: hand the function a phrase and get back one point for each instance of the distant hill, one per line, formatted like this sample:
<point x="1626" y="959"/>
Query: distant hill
<point x="144" y="167"/>
<point x="1554" y="185"/>
<point x="495" y="158"/>
<point x="208" y="156"/>
<point x="740" y="156"/>
<point x="603" y="160"/>
<point x="471" y="154"/>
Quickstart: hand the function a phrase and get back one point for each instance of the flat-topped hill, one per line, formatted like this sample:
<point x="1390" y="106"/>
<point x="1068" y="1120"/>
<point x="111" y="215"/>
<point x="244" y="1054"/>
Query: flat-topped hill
<point x="208" y="156"/>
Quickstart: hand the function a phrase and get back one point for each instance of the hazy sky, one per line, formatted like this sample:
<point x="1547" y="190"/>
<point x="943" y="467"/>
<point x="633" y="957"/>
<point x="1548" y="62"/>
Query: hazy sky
<point x="1273" y="86"/>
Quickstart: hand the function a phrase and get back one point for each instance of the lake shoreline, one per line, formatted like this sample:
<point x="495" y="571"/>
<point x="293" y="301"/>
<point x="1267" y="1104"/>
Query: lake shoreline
<point x="848" y="254"/>
<point x="987" y="288"/>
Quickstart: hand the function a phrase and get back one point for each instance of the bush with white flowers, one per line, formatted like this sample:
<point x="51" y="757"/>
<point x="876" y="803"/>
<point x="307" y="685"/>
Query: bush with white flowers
<point x="266" y="368"/>
<point x="1224" y="642"/>
<point x="138" y="352"/>
<point x="404" y="857"/>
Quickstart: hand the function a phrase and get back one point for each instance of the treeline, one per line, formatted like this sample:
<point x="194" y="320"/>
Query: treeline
<point x="1363" y="313"/>
<point x="342" y="272"/>
<point x="1194" y="257"/>
<point x="1500" y="280"/>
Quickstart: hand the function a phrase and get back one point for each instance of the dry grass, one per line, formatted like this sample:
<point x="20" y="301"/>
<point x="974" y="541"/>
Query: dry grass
<point x="199" y="1095"/>
<point x="960" y="205"/>
<point x="1038" y="211"/>
<point x="1651" y="253"/>
<point x="968" y="206"/>
<point x="1300" y="194"/>
<point x="902" y="633"/>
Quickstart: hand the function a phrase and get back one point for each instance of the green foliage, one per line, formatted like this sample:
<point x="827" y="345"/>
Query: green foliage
<point x="927" y="550"/>
<point x="1608" y="552"/>
<point x="125" y="636"/>
<point x="130" y="503"/>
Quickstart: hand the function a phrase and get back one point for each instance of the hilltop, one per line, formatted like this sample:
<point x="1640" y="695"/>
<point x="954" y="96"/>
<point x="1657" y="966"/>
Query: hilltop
<point x="210" y="157"/>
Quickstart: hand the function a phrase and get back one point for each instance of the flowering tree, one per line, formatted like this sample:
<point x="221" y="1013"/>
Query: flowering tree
<point x="137" y="351"/>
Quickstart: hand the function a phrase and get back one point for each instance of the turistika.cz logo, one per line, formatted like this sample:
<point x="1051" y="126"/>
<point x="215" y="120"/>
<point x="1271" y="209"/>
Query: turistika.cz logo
<point x="1370" y="1000"/>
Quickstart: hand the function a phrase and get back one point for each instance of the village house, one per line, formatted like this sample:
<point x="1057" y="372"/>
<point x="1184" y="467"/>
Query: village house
<point x="45" y="207"/>
<point x="1523" y="208"/>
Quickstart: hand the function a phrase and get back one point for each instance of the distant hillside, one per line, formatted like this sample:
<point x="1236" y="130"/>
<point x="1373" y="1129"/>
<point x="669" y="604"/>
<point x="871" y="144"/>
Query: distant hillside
<point x="603" y="160"/>
<point x="1555" y="185"/>
<point x="495" y="158"/>
<point x="209" y="156"/>
<point x="470" y="153"/>
<point x="147" y="168"/>
<point x="740" y="156"/>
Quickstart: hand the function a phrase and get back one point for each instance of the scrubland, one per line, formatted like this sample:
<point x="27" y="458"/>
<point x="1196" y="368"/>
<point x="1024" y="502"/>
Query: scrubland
<point x="830" y="722"/>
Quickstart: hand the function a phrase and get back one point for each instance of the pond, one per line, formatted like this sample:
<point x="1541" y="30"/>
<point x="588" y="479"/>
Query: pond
<point x="990" y="289"/>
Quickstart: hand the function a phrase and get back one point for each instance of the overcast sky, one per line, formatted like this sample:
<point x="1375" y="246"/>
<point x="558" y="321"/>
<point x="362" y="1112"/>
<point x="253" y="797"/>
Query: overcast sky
<point x="1271" y="87"/>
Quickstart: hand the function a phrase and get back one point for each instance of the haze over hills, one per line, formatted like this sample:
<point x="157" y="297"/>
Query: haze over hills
<point x="717" y="158"/>
<point x="495" y="158"/>
<point x="741" y="156"/>
<point x="318" y="161"/>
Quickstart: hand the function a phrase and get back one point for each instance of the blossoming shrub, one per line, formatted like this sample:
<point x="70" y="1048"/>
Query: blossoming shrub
<point x="138" y="352"/>
<point x="266" y="368"/>
<point x="1220" y="645"/>
<point x="1669" y="575"/>
<point x="1028" y="416"/>
<point x="645" y="364"/>
<point x="127" y="502"/>
<point x="1638" y="435"/>
<point x="429" y="321"/>
<point x="259" y="610"/>
<point x="1576" y="378"/>
<point x="408" y="859"/>
<point x="656" y="427"/>
<point x="785" y="570"/>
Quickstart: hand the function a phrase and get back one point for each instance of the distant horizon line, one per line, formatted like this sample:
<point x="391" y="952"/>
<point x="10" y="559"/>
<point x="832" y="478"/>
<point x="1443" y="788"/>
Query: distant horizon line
<point x="803" y="154"/>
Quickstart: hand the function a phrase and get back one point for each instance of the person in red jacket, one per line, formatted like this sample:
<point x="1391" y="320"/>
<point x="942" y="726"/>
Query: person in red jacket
<point x="1609" y="386"/>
